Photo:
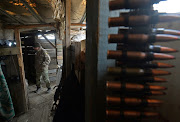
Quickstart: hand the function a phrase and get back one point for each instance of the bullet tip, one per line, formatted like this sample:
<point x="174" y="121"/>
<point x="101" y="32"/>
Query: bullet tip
<point x="160" y="79"/>
<point x="161" y="56"/>
<point x="173" y="50"/>
<point x="176" y="50"/>
<point x="160" y="72"/>
<point x="164" y="65"/>
<point x="167" y="50"/>
<point x="172" y="57"/>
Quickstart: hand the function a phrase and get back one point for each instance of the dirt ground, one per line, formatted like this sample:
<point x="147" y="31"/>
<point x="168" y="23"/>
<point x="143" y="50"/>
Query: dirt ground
<point x="39" y="106"/>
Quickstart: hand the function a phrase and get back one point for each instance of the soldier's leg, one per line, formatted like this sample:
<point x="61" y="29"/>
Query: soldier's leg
<point x="38" y="79"/>
<point x="45" y="77"/>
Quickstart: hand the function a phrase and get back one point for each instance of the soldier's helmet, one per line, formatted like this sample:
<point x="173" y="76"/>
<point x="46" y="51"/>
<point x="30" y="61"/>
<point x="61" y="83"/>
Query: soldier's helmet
<point x="37" y="44"/>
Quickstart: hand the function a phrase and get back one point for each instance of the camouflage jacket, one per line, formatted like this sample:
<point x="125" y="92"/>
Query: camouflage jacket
<point x="42" y="60"/>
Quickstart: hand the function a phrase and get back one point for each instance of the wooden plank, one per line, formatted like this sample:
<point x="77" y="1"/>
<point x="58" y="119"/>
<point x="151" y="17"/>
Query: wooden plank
<point x="76" y="54"/>
<point x="97" y="63"/>
<point x="52" y="55"/>
<point x="91" y="114"/>
<point x="52" y="79"/>
<point x="59" y="53"/>
<point x="59" y="50"/>
<point x="43" y="41"/>
<point x="57" y="41"/>
<point x="52" y="75"/>
<point x="52" y="66"/>
<point x="29" y="26"/>
<point x="15" y="89"/>
<point x="48" y="41"/>
<point x="56" y="44"/>
<point x="47" y="46"/>
<point x="22" y="74"/>
<point x="59" y="44"/>
<point x="52" y="71"/>
<point x="60" y="57"/>
<point x="53" y="62"/>
<point x="13" y="18"/>
<point x="33" y="11"/>
<point x="9" y="51"/>
<point x="67" y="52"/>
<point x="51" y="51"/>
<point x="53" y="58"/>
<point x="39" y="33"/>
<point x="78" y="24"/>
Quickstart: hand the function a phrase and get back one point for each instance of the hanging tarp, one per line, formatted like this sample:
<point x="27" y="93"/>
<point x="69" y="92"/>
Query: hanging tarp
<point x="6" y="104"/>
<point x="71" y="103"/>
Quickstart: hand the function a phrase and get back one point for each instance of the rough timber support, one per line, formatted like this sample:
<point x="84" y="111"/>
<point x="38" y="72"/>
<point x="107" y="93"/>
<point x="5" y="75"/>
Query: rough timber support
<point x="21" y="70"/>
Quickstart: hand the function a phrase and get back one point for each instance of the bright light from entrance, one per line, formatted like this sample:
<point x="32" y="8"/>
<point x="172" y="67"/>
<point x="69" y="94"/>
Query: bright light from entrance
<point x="49" y="36"/>
<point x="169" y="6"/>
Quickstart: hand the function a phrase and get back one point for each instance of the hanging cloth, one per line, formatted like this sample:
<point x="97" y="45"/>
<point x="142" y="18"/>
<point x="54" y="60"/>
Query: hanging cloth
<point x="6" y="104"/>
<point x="71" y="103"/>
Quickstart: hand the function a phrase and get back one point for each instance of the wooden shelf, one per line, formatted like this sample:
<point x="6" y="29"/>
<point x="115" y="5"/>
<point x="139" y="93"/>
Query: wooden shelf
<point x="9" y="51"/>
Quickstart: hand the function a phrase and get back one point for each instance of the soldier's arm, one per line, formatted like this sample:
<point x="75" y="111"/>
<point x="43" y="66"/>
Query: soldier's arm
<point x="47" y="59"/>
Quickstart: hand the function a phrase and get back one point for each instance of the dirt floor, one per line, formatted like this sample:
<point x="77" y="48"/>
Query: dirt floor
<point x="39" y="106"/>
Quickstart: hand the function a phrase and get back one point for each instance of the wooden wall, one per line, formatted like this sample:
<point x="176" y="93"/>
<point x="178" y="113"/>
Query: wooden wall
<point x="12" y="75"/>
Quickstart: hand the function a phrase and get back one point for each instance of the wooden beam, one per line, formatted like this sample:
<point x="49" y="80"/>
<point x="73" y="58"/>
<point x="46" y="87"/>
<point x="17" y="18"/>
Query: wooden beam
<point x="83" y="17"/>
<point x="97" y="63"/>
<point x="38" y="33"/>
<point x="48" y="41"/>
<point x="29" y="26"/>
<point x="33" y="11"/>
<point x="11" y="17"/>
<point x="21" y="69"/>
<point x="67" y="52"/>
<point x="91" y="64"/>
<point x="9" y="51"/>
<point x="49" y="32"/>
<point x="77" y="24"/>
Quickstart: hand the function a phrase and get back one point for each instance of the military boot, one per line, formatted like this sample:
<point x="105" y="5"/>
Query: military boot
<point x="38" y="90"/>
<point x="48" y="90"/>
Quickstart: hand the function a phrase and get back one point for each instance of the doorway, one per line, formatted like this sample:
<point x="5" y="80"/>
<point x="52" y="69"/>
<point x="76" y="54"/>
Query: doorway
<point x="40" y="103"/>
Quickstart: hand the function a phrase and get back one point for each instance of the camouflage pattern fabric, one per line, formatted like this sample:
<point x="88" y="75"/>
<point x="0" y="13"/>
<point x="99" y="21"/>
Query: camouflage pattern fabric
<point x="42" y="76"/>
<point x="6" y="104"/>
<point x="42" y="60"/>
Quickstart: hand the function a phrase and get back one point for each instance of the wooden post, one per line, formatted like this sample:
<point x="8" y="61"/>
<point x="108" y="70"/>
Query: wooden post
<point x="48" y="41"/>
<point x="29" y="26"/>
<point x="21" y="69"/>
<point x="59" y="49"/>
<point x="91" y="61"/>
<point x="9" y="51"/>
<point x="96" y="59"/>
<point x="78" y="24"/>
<point x="67" y="58"/>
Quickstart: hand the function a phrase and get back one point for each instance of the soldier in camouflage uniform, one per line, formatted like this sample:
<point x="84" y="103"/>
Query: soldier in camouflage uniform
<point x="42" y="60"/>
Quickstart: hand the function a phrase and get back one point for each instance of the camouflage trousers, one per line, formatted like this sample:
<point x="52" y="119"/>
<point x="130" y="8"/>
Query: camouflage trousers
<point x="43" y="75"/>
